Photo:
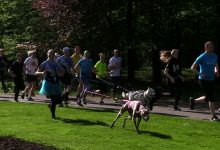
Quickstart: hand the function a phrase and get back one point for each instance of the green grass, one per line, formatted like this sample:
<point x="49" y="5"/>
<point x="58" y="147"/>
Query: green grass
<point x="88" y="129"/>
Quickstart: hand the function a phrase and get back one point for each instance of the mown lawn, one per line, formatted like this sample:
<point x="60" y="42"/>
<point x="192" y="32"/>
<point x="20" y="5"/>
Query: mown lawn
<point x="78" y="128"/>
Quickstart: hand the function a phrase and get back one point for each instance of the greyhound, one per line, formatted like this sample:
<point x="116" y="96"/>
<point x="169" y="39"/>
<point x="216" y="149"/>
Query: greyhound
<point x="135" y="110"/>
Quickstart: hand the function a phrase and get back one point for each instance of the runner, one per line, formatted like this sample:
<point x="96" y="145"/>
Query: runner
<point x="16" y="71"/>
<point x="76" y="58"/>
<point x="30" y="67"/>
<point x="66" y="63"/>
<point x="51" y="86"/>
<point x="86" y="69"/>
<point x="208" y="69"/>
<point x="101" y="70"/>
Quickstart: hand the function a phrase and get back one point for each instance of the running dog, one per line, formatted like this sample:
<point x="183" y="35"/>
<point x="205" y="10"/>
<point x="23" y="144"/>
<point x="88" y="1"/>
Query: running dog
<point x="147" y="98"/>
<point x="135" y="110"/>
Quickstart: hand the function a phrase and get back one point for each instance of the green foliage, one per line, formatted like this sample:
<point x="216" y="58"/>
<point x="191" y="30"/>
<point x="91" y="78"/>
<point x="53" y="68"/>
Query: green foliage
<point x="102" y="25"/>
<point x="14" y="18"/>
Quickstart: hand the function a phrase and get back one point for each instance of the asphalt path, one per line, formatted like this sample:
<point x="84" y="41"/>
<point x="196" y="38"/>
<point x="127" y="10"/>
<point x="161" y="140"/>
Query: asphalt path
<point x="163" y="106"/>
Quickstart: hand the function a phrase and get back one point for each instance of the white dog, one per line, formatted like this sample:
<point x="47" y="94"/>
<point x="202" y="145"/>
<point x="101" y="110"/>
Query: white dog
<point x="135" y="110"/>
<point x="147" y="98"/>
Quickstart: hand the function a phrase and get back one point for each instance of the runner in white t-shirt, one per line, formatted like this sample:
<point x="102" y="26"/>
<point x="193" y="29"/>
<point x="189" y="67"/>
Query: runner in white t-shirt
<point x="30" y="67"/>
<point x="115" y="70"/>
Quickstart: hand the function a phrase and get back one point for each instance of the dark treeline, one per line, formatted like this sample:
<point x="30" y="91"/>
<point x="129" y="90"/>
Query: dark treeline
<point x="138" y="28"/>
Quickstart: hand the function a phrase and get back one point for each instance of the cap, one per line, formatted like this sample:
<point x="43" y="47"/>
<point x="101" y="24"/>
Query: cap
<point x="66" y="49"/>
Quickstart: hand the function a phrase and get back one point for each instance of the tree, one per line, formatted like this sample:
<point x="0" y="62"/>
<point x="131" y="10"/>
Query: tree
<point x="139" y="29"/>
<point x="16" y="19"/>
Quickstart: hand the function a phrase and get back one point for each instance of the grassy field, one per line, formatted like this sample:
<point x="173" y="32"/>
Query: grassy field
<point x="88" y="129"/>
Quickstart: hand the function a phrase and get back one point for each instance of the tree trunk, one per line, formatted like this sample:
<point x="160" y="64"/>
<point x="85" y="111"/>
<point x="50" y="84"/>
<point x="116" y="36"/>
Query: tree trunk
<point x="131" y="54"/>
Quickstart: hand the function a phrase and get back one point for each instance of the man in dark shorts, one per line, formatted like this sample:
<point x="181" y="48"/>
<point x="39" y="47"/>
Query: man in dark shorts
<point x="114" y="67"/>
<point x="30" y="67"/>
<point x="67" y="65"/>
<point x="208" y="64"/>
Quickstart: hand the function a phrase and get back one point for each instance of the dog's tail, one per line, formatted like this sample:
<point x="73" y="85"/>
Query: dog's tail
<point x="125" y="100"/>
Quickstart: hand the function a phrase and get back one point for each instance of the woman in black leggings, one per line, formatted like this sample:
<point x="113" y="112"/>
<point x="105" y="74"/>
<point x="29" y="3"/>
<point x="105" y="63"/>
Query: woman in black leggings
<point x="172" y="72"/>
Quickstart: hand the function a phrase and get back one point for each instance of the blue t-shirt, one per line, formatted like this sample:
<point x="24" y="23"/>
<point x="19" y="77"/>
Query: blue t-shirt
<point x="86" y="66"/>
<point x="52" y="70"/>
<point x="207" y="63"/>
<point x="66" y="63"/>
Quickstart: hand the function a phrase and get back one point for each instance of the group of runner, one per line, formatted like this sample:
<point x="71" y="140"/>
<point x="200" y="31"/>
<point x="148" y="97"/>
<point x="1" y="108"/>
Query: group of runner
<point x="57" y="73"/>
<point x="207" y="69"/>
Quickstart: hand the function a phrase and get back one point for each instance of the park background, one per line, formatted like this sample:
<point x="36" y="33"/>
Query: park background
<point x="139" y="29"/>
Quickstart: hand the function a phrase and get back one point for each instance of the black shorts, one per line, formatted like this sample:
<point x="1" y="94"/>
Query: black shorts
<point x="116" y="81"/>
<point x="31" y="78"/>
<point x="102" y="85"/>
<point x="66" y="79"/>
<point x="209" y="89"/>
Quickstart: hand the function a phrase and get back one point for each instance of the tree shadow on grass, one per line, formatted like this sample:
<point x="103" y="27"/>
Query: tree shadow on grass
<point x="82" y="122"/>
<point x="158" y="135"/>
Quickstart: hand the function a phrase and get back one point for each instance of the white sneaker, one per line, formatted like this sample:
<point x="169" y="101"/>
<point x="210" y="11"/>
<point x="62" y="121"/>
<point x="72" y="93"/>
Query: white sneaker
<point x="214" y="119"/>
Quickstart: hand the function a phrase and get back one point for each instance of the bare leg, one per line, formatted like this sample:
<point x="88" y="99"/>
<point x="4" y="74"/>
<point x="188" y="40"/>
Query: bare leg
<point x="66" y="94"/>
<point x="33" y="85"/>
<point x="27" y="88"/>
<point x="212" y="108"/>
<point x="101" y="100"/>
<point x="79" y="90"/>
<point x="83" y="96"/>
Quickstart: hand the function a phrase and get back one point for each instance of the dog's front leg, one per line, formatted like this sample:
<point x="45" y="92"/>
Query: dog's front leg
<point x="122" y="110"/>
<point x="139" y="120"/>
<point x="118" y="115"/>
<point x="127" y="117"/>
<point x="135" y="124"/>
<point x="135" y="109"/>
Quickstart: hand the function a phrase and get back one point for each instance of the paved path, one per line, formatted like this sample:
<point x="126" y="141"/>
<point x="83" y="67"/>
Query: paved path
<point x="164" y="107"/>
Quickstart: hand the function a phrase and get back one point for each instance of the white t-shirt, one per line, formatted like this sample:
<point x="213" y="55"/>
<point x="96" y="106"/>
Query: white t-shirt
<point x="31" y="65"/>
<point x="116" y="63"/>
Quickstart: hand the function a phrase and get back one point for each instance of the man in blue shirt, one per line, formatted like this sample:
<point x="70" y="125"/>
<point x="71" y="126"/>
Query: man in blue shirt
<point x="86" y="69"/>
<point x="67" y="65"/>
<point x="208" y="64"/>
